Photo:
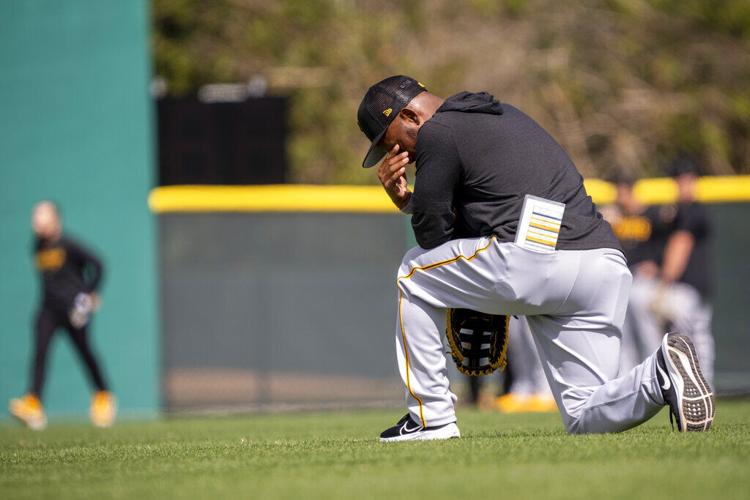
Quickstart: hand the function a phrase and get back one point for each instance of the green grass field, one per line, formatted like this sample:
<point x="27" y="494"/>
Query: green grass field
<point x="336" y="455"/>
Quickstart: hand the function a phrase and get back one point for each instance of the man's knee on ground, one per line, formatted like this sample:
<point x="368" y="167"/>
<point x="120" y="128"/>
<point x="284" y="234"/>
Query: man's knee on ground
<point x="573" y="427"/>
<point x="573" y="407"/>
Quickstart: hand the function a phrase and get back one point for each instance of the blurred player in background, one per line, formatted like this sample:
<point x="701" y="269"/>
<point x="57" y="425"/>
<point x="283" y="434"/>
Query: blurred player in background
<point x="529" y="391"/>
<point x="642" y="231"/>
<point x="677" y="295"/>
<point x="70" y="276"/>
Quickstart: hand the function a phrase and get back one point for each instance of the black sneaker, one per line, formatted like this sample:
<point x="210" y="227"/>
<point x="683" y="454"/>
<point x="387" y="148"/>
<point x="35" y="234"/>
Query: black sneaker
<point x="690" y="399"/>
<point x="407" y="429"/>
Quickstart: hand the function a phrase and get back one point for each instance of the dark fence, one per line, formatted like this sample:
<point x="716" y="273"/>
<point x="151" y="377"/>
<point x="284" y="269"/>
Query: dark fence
<point x="279" y="309"/>
<point x="731" y="267"/>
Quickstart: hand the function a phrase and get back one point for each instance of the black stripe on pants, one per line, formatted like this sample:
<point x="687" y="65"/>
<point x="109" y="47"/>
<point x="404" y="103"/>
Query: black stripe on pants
<point x="47" y="322"/>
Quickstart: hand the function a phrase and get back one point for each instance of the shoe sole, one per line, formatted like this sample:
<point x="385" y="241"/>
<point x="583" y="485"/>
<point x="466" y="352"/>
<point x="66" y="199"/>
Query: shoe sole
<point x="449" y="431"/>
<point x="35" y="424"/>
<point x="106" y="418"/>
<point x="695" y="399"/>
<point x="532" y="405"/>
<point x="102" y="422"/>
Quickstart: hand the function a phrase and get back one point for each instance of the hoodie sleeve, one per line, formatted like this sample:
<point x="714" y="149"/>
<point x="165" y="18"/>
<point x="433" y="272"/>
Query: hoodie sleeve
<point x="438" y="173"/>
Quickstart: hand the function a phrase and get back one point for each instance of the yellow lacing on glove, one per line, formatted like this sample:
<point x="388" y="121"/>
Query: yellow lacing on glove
<point x="498" y="357"/>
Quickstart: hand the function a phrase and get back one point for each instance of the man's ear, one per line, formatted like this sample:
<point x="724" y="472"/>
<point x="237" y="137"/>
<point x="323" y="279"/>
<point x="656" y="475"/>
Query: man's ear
<point x="409" y="115"/>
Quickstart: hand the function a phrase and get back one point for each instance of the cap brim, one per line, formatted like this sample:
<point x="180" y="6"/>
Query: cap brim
<point x="375" y="153"/>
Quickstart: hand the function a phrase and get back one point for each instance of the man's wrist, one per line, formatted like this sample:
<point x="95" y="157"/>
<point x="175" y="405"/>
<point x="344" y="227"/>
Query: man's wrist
<point x="407" y="207"/>
<point x="665" y="280"/>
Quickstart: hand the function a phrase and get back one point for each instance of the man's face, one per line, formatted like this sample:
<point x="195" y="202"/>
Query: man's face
<point x="686" y="187"/>
<point x="625" y="198"/>
<point x="403" y="131"/>
<point x="45" y="221"/>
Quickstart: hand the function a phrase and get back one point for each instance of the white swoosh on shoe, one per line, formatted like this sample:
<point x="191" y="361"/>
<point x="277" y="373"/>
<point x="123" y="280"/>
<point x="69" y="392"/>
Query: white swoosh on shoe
<point x="667" y="382"/>
<point x="406" y="429"/>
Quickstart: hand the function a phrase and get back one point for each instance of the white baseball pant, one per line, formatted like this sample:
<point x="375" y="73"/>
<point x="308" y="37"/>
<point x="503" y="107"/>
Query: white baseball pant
<point x="574" y="302"/>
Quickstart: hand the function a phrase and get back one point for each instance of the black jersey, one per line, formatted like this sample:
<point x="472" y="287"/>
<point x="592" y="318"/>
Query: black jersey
<point x="694" y="218"/>
<point x="66" y="269"/>
<point x="641" y="235"/>
<point x="476" y="161"/>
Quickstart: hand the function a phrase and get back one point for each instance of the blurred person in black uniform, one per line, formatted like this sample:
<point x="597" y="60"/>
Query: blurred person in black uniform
<point x="642" y="231"/>
<point x="70" y="276"/>
<point x="678" y="295"/>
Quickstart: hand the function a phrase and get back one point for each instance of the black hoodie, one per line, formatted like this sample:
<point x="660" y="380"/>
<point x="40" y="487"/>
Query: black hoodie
<point x="477" y="159"/>
<point x="66" y="269"/>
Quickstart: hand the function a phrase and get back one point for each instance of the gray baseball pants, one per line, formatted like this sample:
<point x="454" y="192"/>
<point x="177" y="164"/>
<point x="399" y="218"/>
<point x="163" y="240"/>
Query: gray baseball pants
<point x="574" y="302"/>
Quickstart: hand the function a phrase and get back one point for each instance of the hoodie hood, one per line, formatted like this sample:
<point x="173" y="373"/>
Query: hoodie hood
<point x="469" y="102"/>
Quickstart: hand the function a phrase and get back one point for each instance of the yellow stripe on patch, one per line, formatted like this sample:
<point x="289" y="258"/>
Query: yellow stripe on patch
<point x="543" y="233"/>
<point x="546" y="238"/>
<point x="541" y="241"/>
<point x="554" y="229"/>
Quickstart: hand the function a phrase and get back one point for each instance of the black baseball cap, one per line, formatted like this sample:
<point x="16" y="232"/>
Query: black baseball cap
<point x="380" y="106"/>
<point x="683" y="164"/>
<point x="623" y="178"/>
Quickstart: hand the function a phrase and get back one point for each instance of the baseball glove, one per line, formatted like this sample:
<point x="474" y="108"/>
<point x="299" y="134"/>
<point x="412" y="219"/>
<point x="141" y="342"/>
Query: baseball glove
<point x="478" y="341"/>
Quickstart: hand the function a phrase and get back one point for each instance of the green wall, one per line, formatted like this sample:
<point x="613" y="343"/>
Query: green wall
<point x="75" y="127"/>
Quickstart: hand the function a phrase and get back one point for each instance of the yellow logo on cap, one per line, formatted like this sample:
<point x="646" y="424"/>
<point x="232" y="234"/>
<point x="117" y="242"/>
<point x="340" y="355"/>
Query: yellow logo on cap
<point x="420" y="84"/>
<point x="388" y="112"/>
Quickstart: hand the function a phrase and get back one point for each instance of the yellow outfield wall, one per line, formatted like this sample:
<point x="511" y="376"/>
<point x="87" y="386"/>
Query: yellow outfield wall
<point x="372" y="199"/>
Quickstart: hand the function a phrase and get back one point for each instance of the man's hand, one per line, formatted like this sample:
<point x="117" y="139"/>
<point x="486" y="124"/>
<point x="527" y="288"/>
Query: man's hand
<point x="647" y="269"/>
<point x="659" y="303"/>
<point x="96" y="301"/>
<point x="392" y="175"/>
